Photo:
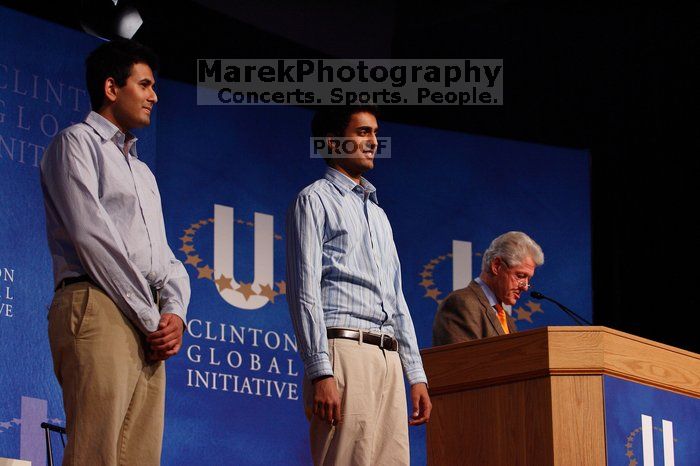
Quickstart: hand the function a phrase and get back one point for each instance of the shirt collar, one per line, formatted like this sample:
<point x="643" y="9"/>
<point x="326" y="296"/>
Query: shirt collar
<point x="344" y="184"/>
<point x="108" y="131"/>
<point x="490" y="296"/>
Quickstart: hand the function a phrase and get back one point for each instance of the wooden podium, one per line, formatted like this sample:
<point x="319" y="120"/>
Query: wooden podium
<point x="535" y="398"/>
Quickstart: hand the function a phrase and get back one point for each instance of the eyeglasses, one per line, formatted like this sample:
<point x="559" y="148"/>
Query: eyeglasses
<point x="522" y="280"/>
<point x="524" y="283"/>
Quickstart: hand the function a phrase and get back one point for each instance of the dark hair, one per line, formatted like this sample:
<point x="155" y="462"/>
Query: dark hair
<point x="333" y="119"/>
<point x="114" y="60"/>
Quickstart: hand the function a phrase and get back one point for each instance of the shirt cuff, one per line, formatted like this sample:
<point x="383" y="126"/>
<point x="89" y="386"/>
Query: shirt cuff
<point x="416" y="375"/>
<point x="148" y="320"/>
<point x="181" y="313"/>
<point x="317" y="365"/>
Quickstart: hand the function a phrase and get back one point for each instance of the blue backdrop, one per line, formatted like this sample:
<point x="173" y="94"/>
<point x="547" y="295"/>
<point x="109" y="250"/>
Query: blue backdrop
<point x="234" y="391"/>
<point x="671" y="414"/>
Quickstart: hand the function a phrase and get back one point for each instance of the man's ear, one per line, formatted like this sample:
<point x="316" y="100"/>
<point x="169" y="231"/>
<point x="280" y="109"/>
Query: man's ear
<point x="111" y="90"/>
<point x="331" y="142"/>
<point x="496" y="265"/>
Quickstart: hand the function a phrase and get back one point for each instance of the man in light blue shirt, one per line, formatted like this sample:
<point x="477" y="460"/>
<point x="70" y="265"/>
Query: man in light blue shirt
<point x="346" y="301"/>
<point x="121" y="296"/>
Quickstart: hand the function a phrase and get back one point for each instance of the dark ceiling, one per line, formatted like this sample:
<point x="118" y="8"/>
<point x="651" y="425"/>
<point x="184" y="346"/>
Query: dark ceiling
<point x="617" y="80"/>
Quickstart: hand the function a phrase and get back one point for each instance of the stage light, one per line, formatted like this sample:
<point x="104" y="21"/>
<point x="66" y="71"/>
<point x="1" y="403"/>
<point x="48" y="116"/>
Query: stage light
<point x="108" y="19"/>
<point x="128" y="23"/>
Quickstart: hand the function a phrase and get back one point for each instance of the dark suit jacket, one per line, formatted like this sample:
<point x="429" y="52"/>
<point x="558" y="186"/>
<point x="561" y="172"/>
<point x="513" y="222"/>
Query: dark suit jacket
<point x="467" y="315"/>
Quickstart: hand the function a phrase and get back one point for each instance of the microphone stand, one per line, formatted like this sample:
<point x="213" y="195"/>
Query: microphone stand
<point x="577" y="318"/>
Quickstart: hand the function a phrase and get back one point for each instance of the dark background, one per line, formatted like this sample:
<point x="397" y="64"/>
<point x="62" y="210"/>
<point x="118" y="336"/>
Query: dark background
<point x="618" y="81"/>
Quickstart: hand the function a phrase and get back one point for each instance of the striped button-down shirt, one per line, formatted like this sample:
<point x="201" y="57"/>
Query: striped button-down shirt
<point x="343" y="271"/>
<point x="104" y="219"/>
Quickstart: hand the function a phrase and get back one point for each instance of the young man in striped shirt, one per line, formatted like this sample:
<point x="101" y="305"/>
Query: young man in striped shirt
<point x="354" y="329"/>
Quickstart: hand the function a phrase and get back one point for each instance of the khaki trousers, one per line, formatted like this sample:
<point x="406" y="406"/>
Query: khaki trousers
<point x="374" y="427"/>
<point x="114" y="400"/>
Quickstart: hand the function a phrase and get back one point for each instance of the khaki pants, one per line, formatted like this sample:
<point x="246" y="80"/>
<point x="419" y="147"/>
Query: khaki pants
<point x="114" y="400"/>
<point x="374" y="430"/>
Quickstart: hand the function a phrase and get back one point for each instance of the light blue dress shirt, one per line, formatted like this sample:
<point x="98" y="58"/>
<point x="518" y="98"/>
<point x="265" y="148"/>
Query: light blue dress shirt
<point x="104" y="219"/>
<point x="343" y="271"/>
<point x="492" y="297"/>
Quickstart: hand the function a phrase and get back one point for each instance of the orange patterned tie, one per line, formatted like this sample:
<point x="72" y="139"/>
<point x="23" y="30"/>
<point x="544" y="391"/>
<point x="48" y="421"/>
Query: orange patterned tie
<point x="502" y="318"/>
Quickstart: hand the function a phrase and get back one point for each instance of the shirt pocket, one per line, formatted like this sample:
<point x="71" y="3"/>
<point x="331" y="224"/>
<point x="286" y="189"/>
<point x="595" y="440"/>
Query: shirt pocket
<point x="154" y="195"/>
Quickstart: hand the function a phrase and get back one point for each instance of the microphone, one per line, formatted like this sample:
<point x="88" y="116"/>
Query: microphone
<point x="577" y="318"/>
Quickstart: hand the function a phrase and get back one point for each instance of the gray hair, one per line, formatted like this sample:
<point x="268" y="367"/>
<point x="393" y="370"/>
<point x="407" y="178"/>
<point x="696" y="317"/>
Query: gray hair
<point x="513" y="248"/>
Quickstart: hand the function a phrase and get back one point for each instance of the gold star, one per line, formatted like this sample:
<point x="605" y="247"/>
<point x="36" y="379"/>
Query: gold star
<point x="433" y="293"/>
<point x="449" y="254"/>
<point x="523" y="314"/>
<point x="426" y="283"/>
<point x="195" y="225"/>
<point x="189" y="231"/>
<point x="187" y="248"/>
<point x="282" y="287"/>
<point x="429" y="267"/>
<point x="223" y="283"/>
<point x="478" y="254"/>
<point x="205" y="272"/>
<point x="278" y="237"/>
<point x="268" y="292"/>
<point x="442" y="258"/>
<point x="633" y="463"/>
<point x="629" y="454"/>
<point x="534" y="307"/>
<point x="202" y="222"/>
<point x="185" y="239"/>
<point x="211" y="220"/>
<point x="426" y="274"/>
<point x="250" y="224"/>
<point x="240" y="222"/>
<point x="434" y="261"/>
<point x="246" y="290"/>
<point x="194" y="260"/>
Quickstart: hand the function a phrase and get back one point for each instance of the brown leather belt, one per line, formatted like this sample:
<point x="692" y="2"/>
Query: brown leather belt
<point x="71" y="280"/>
<point x="383" y="341"/>
<point x="86" y="278"/>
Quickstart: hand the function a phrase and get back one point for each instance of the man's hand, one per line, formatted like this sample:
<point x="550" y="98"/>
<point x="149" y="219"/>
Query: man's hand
<point x="420" y="401"/>
<point x="167" y="340"/>
<point x="327" y="400"/>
